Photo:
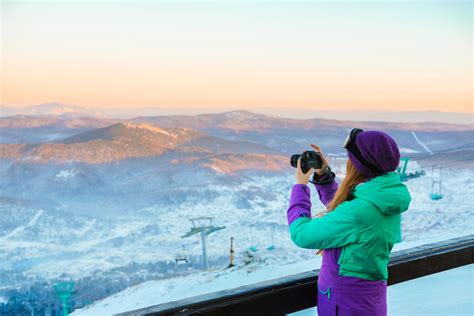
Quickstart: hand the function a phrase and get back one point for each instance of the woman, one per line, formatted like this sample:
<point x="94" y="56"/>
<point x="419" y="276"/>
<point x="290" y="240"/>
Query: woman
<point x="360" y="227"/>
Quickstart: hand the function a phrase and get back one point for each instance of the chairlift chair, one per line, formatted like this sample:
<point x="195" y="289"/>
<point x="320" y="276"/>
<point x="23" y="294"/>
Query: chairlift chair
<point x="436" y="193"/>
<point x="253" y="248"/>
<point x="272" y="246"/>
<point x="181" y="257"/>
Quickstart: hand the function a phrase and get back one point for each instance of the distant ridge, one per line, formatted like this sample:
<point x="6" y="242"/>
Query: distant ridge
<point x="63" y="110"/>
<point x="50" y="109"/>
<point x="121" y="130"/>
<point x="243" y="120"/>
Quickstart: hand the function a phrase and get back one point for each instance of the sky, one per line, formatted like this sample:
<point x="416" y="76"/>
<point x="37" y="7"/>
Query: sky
<point x="341" y="55"/>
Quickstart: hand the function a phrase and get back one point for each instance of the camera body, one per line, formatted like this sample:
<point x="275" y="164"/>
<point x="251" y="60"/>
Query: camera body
<point x="309" y="159"/>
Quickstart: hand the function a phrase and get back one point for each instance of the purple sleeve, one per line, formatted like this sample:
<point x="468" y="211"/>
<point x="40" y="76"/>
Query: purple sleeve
<point x="300" y="203"/>
<point x="326" y="191"/>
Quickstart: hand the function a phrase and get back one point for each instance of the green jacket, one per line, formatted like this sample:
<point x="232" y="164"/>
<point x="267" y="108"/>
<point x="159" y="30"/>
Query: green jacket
<point x="366" y="227"/>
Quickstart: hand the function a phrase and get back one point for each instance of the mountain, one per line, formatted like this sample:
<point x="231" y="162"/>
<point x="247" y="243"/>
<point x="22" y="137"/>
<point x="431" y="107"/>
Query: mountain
<point x="32" y="121"/>
<point x="283" y="135"/>
<point x="39" y="129"/>
<point x="122" y="141"/>
<point x="116" y="142"/>
<point x="295" y="135"/>
<point x="243" y="120"/>
<point x="63" y="110"/>
<point x="123" y="167"/>
<point x="239" y="125"/>
<point x="49" y="109"/>
<point x="374" y="115"/>
<point x="105" y="202"/>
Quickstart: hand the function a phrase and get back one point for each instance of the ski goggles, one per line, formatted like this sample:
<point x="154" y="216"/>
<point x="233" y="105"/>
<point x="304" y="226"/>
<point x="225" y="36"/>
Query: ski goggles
<point x="350" y="140"/>
<point x="351" y="146"/>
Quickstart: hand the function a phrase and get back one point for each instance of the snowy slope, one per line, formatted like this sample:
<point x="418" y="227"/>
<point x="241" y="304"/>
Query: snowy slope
<point x="253" y="212"/>
<point x="426" y="221"/>
<point x="162" y="291"/>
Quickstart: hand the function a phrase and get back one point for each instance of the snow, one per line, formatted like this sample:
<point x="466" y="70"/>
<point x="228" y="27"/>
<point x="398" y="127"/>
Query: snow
<point x="91" y="246"/>
<point x="215" y="168"/>
<point x="172" y="289"/>
<point x="87" y="227"/>
<point x="252" y="223"/>
<point x="446" y="293"/>
<point x="19" y="229"/>
<point x="421" y="143"/>
<point x="405" y="150"/>
<point x="152" y="129"/>
<point x="156" y="292"/>
<point x="449" y="292"/>
<point x="66" y="174"/>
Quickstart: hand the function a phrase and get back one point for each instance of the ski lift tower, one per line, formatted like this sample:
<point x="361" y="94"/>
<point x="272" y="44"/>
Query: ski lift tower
<point x="402" y="170"/>
<point x="63" y="291"/>
<point x="203" y="226"/>
<point x="272" y="246"/>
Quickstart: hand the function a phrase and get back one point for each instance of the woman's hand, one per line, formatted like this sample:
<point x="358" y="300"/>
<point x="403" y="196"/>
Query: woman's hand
<point x="302" y="178"/>
<point x="325" y="162"/>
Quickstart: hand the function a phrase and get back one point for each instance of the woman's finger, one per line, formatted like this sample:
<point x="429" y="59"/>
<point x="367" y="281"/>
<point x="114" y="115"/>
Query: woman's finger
<point x="315" y="147"/>
<point x="323" y="158"/>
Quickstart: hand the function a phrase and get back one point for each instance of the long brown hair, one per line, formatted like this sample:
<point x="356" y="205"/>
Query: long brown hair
<point x="344" y="192"/>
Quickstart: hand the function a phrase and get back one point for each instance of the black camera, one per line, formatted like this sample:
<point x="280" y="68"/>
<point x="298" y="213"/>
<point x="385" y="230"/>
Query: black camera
<point x="309" y="159"/>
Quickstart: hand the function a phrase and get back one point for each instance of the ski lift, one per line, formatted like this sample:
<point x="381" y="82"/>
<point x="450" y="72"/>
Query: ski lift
<point x="64" y="291"/>
<point x="402" y="170"/>
<point x="272" y="246"/>
<point x="253" y="248"/>
<point x="404" y="175"/>
<point x="436" y="177"/>
<point x="249" y="257"/>
<point x="181" y="257"/>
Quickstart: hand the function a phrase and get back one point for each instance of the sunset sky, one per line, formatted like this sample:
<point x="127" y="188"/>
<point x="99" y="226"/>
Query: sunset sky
<point x="397" y="56"/>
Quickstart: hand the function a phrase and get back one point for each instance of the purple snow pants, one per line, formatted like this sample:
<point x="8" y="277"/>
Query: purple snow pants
<point x="346" y="295"/>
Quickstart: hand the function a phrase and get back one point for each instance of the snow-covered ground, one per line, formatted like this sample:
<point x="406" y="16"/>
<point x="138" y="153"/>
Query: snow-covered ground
<point x="162" y="291"/>
<point x="254" y="213"/>
<point x="426" y="221"/>
<point x="425" y="147"/>
<point x="449" y="292"/>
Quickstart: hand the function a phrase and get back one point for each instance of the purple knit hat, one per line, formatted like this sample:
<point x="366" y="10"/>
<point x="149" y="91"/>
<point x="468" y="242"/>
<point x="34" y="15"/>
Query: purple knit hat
<point x="379" y="150"/>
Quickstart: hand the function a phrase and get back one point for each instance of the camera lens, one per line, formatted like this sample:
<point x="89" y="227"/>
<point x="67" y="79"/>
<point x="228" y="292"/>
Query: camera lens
<point x="294" y="160"/>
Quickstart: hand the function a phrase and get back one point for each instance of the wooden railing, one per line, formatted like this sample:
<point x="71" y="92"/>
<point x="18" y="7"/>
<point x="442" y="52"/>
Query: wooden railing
<point x="297" y="292"/>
